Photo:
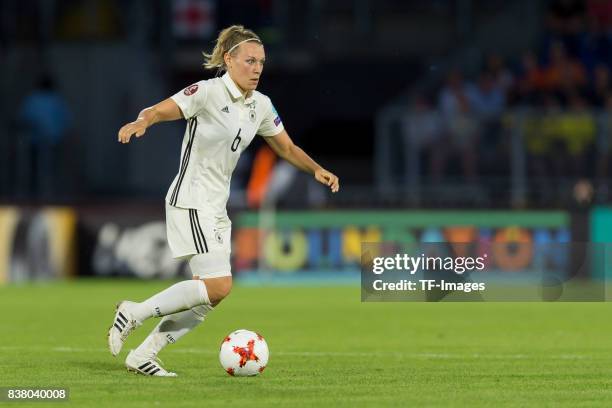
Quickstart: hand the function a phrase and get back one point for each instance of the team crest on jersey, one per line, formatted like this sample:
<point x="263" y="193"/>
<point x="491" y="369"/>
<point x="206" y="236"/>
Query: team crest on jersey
<point x="218" y="237"/>
<point x="252" y="114"/>
<point x="191" y="89"/>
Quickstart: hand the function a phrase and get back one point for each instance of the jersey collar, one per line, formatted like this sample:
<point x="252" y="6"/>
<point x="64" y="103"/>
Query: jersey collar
<point x="233" y="89"/>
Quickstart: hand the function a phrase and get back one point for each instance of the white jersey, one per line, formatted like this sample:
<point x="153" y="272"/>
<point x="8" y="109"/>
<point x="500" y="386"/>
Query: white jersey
<point x="221" y="123"/>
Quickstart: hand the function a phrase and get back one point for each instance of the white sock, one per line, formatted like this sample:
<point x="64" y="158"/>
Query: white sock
<point x="171" y="328"/>
<point x="178" y="297"/>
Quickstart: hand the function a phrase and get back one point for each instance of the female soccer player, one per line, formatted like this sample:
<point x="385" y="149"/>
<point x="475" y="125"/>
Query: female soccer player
<point x="223" y="116"/>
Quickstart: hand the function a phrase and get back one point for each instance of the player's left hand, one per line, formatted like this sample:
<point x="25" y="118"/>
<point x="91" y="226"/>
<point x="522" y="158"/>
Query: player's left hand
<point x="329" y="179"/>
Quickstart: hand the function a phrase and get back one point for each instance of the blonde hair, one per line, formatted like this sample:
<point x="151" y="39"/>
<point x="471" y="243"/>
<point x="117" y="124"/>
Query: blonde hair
<point x="228" y="40"/>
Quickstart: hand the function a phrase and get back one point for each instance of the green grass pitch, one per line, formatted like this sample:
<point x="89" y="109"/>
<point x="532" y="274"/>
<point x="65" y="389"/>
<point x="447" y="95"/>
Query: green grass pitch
<point x="327" y="349"/>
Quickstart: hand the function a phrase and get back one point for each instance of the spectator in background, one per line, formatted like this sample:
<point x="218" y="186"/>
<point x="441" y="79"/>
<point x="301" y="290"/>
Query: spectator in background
<point x="540" y="133"/>
<point x="423" y="132"/>
<point x="578" y="129"/>
<point x="560" y="141"/>
<point x="564" y="74"/>
<point x="531" y="79"/>
<point x="488" y="99"/>
<point x="45" y="119"/>
<point x="500" y="73"/>
<point x="461" y="128"/>
<point x="601" y="86"/>
<point x="454" y="95"/>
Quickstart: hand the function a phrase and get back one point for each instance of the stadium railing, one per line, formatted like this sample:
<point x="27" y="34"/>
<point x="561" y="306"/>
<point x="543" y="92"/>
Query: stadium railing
<point x="522" y="157"/>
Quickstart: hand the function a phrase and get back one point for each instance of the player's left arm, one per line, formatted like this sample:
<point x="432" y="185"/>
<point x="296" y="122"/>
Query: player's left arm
<point x="285" y="148"/>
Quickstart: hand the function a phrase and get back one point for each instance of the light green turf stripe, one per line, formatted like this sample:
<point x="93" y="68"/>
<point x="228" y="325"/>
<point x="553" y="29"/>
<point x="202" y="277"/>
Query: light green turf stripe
<point x="416" y="219"/>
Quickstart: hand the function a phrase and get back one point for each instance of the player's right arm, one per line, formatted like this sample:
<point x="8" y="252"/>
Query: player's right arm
<point x="164" y="111"/>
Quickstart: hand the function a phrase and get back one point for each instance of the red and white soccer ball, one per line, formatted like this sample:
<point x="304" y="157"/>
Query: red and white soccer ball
<point x="244" y="353"/>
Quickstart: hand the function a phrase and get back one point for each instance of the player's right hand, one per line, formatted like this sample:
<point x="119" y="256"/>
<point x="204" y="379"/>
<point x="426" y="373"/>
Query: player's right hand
<point x="136" y="128"/>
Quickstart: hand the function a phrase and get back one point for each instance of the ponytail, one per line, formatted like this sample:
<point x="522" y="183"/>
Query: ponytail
<point x="229" y="39"/>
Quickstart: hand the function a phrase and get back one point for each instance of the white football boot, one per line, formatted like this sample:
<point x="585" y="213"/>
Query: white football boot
<point x="123" y="324"/>
<point x="146" y="365"/>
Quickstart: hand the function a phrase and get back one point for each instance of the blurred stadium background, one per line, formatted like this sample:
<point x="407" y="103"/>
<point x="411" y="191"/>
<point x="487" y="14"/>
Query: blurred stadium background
<point x="446" y="120"/>
<point x="479" y="121"/>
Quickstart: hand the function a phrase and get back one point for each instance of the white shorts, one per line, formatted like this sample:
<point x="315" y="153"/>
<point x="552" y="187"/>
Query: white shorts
<point x="192" y="235"/>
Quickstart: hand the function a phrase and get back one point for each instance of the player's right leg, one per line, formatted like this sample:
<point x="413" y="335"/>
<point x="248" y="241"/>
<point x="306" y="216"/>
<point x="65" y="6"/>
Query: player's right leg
<point x="173" y="327"/>
<point x="182" y="296"/>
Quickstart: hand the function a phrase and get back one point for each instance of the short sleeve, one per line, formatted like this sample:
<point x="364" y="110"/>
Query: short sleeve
<point x="192" y="99"/>
<point x="271" y="125"/>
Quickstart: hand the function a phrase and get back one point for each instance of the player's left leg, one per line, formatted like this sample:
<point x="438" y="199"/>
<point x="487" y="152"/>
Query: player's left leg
<point x="172" y="327"/>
